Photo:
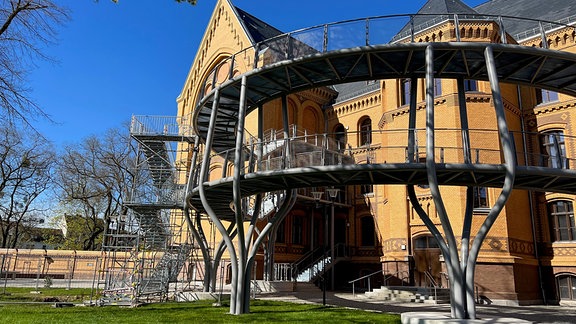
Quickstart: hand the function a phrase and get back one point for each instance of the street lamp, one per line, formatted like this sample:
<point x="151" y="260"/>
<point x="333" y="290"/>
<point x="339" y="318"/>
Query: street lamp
<point x="332" y="193"/>
<point x="317" y="196"/>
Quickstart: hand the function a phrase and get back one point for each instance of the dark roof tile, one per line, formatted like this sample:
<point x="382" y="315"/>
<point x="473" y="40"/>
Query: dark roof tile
<point x="257" y="29"/>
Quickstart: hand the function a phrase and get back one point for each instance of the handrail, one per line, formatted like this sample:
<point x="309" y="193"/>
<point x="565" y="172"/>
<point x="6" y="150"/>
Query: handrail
<point x="311" y="260"/>
<point x="433" y="282"/>
<point x="308" y="259"/>
<point x="359" y="33"/>
<point x="483" y="150"/>
<point x="353" y="282"/>
<point x="445" y="275"/>
<point x="431" y="279"/>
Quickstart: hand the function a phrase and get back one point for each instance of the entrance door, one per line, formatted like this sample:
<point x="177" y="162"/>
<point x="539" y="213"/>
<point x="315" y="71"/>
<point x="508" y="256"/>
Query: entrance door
<point x="427" y="266"/>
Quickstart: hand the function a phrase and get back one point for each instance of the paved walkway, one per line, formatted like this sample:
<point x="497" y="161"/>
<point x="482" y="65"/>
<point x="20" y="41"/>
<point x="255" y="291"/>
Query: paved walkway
<point x="536" y="314"/>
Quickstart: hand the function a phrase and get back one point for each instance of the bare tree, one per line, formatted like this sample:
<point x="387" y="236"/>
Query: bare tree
<point x="192" y="2"/>
<point x="26" y="165"/>
<point x="25" y="27"/>
<point x="94" y="177"/>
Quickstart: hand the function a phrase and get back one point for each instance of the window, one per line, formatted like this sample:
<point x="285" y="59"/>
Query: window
<point x="340" y="137"/>
<point x="561" y="216"/>
<point x="297" y="230"/>
<point x="365" y="132"/>
<point x="554" y="150"/>
<point x="470" y="85"/>
<point x="368" y="231"/>
<point x="422" y="160"/>
<point x="404" y="91"/>
<point x="567" y="287"/>
<point x="480" y="197"/>
<point x="366" y="189"/>
<point x="437" y="87"/>
<point x="425" y="242"/>
<point x="280" y="234"/>
<point x="545" y="96"/>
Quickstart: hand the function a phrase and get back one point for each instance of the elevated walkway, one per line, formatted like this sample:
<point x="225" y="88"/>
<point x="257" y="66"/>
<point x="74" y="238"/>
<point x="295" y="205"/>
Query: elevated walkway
<point x="290" y="64"/>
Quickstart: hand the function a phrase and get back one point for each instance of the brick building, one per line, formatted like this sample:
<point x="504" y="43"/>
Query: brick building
<point x="529" y="254"/>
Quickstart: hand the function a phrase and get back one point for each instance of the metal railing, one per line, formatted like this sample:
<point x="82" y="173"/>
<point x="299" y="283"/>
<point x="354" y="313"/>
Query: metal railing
<point x="546" y="26"/>
<point x="432" y="283"/>
<point x="311" y="150"/>
<point x="368" y="276"/>
<point x="161" y="125"/>
<point x="367" y="32"/>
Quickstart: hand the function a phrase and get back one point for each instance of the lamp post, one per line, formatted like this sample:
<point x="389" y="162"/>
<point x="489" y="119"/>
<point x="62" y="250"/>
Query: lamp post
<point x="317" y="196"/>
<point x="332" y="193"/>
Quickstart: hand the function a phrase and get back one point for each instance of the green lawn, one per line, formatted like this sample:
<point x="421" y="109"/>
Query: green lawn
<point x="19" y="294"/>
<point x="195" y="312"/>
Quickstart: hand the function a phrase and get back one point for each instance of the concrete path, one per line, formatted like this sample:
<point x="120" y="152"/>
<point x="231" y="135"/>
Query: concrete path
<point x="535" y="314"/>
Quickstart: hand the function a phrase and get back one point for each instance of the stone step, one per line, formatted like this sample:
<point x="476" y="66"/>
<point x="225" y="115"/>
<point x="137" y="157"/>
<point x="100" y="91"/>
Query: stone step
<point x="410" y="294"/>
<point x="306" y="287"/>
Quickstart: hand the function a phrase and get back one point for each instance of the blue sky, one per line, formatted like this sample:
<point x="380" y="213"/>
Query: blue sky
<point x="116" y="60"/>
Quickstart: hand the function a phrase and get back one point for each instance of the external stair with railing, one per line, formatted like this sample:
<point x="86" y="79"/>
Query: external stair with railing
<point x="432" y="293"/>
<point x="316" y="262"/>
<point x="157" y="252"/>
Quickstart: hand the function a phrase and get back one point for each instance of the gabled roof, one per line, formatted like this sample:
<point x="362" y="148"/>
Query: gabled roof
<point x="256" y="29"/>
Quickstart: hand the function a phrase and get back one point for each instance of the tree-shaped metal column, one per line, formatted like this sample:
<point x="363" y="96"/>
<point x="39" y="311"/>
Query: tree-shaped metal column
<point x="243" y="253"/>
<point x="460" y="266"/>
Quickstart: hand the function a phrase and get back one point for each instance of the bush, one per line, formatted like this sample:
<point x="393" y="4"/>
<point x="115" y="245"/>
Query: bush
<point x="47" y="282"/>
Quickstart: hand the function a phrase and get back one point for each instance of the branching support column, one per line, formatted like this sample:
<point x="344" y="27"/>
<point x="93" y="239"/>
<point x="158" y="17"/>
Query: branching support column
<point x="201" y="190"/>
<point x="461" y="267"/>
<point x="508" y="151"/>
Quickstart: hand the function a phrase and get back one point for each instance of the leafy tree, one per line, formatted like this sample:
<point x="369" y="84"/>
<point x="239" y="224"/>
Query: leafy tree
<point x="94" y="178"/>
<point x="25" y="27"/>
<point x="26" y="165"/>
<point x="78" y="232"/>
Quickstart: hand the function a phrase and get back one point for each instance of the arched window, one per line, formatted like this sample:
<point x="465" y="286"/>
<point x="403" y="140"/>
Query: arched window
<point x="365" y="131"/>
<point x="368" y="237"/>
<point x="340" y="136"/>
<point x="561" y="218"/>
<point x="554" y="150"/>
<point x="567" y="287"/>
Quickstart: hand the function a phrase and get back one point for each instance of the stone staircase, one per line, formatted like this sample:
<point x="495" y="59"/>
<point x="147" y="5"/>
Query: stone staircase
<point x="410" y="295"/>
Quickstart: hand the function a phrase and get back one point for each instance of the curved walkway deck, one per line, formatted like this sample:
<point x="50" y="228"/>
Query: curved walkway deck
<point x="540" y="68"/>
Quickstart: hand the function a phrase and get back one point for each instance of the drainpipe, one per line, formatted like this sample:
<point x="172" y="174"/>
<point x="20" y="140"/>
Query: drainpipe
<point x="531" y="201"/>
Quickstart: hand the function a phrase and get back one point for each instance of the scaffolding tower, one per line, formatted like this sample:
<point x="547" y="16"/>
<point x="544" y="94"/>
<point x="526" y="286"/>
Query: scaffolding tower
<point x="146" y="252"/>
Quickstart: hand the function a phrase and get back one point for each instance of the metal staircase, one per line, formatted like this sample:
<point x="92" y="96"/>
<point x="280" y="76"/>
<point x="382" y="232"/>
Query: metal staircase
<point x="147" y="249"/>
<point x="316" y="262"/>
